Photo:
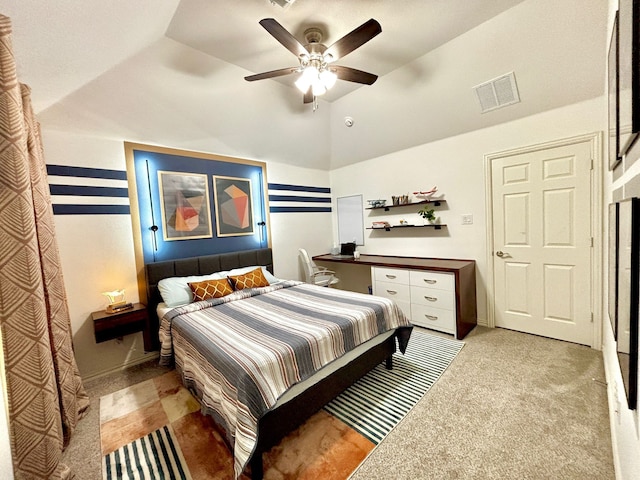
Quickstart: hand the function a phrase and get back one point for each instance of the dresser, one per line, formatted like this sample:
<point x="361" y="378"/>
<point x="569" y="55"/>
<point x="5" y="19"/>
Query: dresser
<point x="427" y="298"/>
<point x="435" y="293"/>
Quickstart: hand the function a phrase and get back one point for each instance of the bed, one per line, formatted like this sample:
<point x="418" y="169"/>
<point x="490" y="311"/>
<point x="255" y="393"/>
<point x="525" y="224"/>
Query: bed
<point x="197" y="338"/>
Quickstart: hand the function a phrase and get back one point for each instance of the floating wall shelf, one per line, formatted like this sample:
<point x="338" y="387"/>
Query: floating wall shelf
<point x="437" y="226"/>
<point x="436" y="203"/>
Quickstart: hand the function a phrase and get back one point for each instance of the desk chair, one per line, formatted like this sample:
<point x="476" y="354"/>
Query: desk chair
<point x="314" y="274"/>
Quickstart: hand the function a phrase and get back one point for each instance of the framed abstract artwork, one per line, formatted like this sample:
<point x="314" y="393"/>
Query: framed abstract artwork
<point x="234" y="213"/>
<point x="184" y="202"/>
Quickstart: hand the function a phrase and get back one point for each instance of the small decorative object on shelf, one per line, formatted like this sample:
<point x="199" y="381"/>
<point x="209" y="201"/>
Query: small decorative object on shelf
<point x="400" y="199"/>
<point x="426" y="195"/>
<point x="380" y="225"/>
<point x="427" y="214"/>
<point x="377" y="203"/>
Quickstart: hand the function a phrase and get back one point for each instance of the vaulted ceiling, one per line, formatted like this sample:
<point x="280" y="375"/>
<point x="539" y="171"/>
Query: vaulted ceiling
<point x="171" y="72"/>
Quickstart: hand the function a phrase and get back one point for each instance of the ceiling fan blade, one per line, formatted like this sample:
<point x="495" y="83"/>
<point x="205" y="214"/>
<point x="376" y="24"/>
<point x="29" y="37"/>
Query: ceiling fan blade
<point x="354" y="39"/>
<point x="352" y="75"/>
<point x="271" y="74"/>
<point x="308" y="97"/>
<point x="283" y="36"/>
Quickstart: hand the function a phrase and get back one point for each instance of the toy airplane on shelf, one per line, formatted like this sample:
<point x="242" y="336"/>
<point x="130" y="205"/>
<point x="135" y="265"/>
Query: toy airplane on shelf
<point x="426" y="194"/>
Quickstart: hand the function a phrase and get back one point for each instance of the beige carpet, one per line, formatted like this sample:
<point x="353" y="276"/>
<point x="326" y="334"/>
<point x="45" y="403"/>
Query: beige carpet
<point x="511" y="406"/>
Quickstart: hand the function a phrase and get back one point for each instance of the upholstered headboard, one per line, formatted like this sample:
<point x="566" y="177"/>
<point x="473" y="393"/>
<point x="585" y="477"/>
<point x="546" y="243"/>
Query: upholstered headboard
<point x="183" y="267"/>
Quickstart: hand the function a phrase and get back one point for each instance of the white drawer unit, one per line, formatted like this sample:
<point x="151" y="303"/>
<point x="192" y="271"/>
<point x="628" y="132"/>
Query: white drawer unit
<point x="428" y="297"/>
<point x="395" y="291"/>
<point x="435" y="318"/>
<point x="437" y="280"/>
<point x="393" y="275"/>
<point x="433" y="298"/>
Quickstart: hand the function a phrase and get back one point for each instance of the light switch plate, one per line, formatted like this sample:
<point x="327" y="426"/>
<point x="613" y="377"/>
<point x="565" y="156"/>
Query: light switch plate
<point x="467" y="219"/>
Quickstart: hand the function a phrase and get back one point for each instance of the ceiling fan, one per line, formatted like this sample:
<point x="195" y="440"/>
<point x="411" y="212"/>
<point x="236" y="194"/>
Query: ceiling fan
<point x="317" y="73"/>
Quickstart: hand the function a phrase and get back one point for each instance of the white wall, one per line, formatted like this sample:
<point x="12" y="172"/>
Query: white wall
<point x="625" y="423"/>
<point x="456" y="166"/>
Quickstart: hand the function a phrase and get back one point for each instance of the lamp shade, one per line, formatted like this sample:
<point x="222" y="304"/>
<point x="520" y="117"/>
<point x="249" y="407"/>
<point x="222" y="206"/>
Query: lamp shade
<point x="116" y="297"/>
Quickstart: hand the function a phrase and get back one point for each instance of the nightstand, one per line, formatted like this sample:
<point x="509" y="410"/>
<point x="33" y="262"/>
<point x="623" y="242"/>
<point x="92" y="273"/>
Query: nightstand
<point x="108" y="326"/>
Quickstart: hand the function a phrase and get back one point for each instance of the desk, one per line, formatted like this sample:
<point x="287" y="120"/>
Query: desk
<point x="411" y="280"/>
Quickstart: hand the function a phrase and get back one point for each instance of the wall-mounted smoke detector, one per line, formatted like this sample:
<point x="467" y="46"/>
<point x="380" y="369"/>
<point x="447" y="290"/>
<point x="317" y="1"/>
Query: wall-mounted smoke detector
<point x="282" y="3"/>
<point x="498" y="93"/>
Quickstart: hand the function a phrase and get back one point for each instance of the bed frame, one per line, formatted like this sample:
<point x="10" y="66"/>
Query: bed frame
<point x="277" y="423"/>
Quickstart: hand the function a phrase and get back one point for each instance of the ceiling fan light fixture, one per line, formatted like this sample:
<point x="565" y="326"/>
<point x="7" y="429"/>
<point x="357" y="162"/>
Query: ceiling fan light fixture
<point x="302" y="83"/>
<point x="318" y="88"/>
<point x="328" y="78"/>
<point x="307" y="78"/>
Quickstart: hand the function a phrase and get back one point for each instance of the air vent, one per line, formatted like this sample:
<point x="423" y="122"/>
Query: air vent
<point x="498" y="93"/>
<point x="282" y="3"/>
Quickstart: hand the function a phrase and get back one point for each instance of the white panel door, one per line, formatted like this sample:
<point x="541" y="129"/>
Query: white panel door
<point x="542" y="242"/>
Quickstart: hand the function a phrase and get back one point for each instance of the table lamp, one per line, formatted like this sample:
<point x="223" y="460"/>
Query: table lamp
<point x="117" y="301"/>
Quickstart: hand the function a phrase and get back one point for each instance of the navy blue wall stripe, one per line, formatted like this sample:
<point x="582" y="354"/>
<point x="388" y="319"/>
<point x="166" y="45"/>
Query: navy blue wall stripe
<point x="68" y="209"/>
<point x="296" y="198"/>
<point x="298" y="188"/>
<point x="299" y="209"/>
<point x="87" y="191"/>
<point x="66" y="171"/>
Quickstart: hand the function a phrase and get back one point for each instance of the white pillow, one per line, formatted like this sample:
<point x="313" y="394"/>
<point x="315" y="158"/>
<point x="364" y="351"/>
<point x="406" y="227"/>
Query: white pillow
<point x="175" y="291"/>
<point x="241" y="271"/>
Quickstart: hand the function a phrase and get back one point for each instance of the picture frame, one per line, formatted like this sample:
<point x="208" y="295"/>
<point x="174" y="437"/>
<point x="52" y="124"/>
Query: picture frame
<point x="233" y="206"/>
<point x="612" y="80"/>
<point x="184" y="204"/>
<point x="628" y="296"/>
<point x="628" y="74"/>
<point x="613" y="266"/>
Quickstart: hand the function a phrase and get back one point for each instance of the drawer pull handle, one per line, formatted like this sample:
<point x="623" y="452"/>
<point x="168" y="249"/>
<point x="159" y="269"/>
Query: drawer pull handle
<point x="390" y="276"/>
<point x="431" y="299"/>
<point x="392" y="292"/>
<point x="427" y="280"/>
<point x="431" y="317"/>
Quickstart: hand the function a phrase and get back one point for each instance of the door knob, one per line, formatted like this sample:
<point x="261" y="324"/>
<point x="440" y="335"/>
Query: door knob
<point x="500" y="253"/>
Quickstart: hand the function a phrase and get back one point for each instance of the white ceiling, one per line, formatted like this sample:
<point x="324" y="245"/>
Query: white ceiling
<point x="171" y="72"/>
<point x="230" y="30"/>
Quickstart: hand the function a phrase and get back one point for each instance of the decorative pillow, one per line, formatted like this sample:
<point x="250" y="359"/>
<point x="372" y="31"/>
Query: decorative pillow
<point x="253" y="279"/>
<point x="210" y="289"/>
<point x="267" y="274"/>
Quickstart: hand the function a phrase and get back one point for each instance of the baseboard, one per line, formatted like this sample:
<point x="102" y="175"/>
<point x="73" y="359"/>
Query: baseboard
<point x="124" y="366"/>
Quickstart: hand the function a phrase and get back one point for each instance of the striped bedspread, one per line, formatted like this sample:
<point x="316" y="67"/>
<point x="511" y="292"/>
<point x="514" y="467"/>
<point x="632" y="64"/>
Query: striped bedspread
<point x="240" y="353"/>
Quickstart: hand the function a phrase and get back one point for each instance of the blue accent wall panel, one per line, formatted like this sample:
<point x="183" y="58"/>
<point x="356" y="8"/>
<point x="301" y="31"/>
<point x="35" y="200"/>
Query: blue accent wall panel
<point x="155" y="247"/>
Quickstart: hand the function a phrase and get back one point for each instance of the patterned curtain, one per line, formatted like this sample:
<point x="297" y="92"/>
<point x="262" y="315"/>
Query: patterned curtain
<point x="44" y="389"/>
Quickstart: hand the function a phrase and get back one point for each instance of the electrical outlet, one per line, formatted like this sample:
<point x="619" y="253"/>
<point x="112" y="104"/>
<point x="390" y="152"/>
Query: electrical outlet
<point x="467" y="219"/>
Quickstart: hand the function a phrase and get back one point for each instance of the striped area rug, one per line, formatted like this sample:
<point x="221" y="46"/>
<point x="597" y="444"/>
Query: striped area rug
<point x="183" y="444"/>
<point x="375" y="404"/>
<point x="156" y="455"/>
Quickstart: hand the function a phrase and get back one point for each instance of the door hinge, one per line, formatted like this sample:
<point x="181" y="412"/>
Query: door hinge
<point x="592" y="164"/>
<point x="591" y="317"/>
<point x="591" y="242"/>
